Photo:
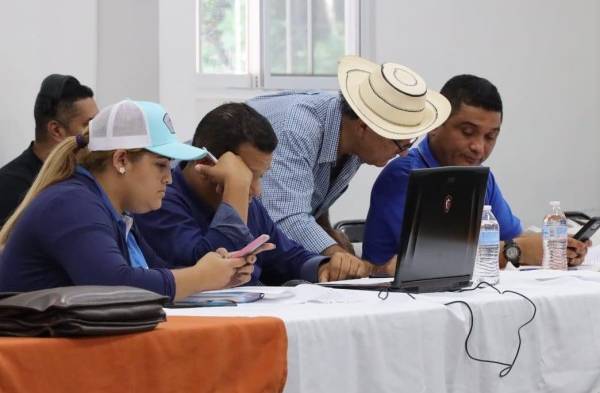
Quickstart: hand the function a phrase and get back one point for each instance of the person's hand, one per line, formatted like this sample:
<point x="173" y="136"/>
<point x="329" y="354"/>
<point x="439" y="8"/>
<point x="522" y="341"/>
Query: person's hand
<point x="244" y="273"/>
<point x="343" y="266"/>
<point x="388" y="269"/>
<point x="341" y="239"/>
<point x="576" y="251"/>
<point x="229" y="169"/>
<point x="217" y="271"/>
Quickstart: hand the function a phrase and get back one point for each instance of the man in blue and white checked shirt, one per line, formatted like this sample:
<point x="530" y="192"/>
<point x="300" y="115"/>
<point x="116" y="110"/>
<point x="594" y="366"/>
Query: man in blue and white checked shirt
<point x="325" y="137"/>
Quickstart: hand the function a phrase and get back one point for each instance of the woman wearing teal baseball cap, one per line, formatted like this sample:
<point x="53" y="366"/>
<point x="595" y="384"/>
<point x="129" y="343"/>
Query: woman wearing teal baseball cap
<point x="74" y="226"/>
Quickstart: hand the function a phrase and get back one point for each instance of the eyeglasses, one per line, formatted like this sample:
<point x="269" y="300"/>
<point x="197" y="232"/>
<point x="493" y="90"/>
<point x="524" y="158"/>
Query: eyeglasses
<point x="404" y="147"/>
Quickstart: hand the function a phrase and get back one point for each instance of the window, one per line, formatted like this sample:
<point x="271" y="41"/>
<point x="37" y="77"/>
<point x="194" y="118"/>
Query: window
<point x="274" y="43"/>
<point x="223" y="37"/>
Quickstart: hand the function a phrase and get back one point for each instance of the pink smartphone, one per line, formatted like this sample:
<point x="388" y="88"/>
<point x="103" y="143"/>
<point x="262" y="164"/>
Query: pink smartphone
<point x="250" y="247"/>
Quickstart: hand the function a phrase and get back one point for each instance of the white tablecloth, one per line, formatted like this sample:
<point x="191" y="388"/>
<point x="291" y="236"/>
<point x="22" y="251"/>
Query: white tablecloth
<point x="351" y="341"/>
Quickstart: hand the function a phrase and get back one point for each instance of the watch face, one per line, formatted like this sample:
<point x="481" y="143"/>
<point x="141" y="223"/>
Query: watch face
<point x="512" y="253"/>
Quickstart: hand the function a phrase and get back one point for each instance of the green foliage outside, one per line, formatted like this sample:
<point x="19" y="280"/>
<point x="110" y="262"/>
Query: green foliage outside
<point x="218" y="37"/>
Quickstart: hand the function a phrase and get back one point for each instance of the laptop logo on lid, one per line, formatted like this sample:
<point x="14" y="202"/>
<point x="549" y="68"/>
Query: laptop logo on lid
<point x="447" y="205"/>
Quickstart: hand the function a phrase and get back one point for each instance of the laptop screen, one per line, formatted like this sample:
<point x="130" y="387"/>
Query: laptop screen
<point x="440" y="231"/>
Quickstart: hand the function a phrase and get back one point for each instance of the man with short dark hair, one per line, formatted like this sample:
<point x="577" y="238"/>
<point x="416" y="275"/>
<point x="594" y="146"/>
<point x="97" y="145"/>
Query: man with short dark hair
<point x="325" y="137"/>
<point x="213" y="205"/>
<point x="467" y="138"/>
<point x="63" y="107"/>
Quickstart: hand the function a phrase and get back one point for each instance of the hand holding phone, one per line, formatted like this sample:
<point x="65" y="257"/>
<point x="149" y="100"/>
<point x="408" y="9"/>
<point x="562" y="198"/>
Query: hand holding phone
<point x="588" y="230"/>
<point x="250" y="247"/>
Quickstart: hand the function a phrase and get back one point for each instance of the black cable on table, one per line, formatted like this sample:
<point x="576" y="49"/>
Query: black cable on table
<point x="384" y="293"/>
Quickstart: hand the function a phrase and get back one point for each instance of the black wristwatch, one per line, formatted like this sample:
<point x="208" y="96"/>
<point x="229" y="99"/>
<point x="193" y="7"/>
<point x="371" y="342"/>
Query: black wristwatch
<point x="512" y="252"/>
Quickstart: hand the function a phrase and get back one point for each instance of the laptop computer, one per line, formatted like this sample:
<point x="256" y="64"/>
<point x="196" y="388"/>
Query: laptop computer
<point x="440" y="232"/>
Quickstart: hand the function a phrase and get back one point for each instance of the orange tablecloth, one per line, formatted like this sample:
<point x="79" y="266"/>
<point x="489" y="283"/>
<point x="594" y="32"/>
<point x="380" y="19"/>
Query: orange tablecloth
<point x="184" y="354"/>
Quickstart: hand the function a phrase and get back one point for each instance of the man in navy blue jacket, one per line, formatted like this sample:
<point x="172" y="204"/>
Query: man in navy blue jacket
<point x="212" y="205"/>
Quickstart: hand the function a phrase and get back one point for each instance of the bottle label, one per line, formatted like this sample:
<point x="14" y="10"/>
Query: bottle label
<point x="489" y="238"/>
<point x="555" y="231"/>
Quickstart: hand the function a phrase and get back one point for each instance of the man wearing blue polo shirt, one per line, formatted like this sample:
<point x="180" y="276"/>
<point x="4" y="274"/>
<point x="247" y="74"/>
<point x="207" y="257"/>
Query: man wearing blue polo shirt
<point x="466" y="138"/>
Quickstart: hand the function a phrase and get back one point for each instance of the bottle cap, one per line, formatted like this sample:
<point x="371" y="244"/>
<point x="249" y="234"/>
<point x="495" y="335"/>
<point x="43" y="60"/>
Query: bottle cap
<point x="554" y="203"/>
<point x="487" y="207"/>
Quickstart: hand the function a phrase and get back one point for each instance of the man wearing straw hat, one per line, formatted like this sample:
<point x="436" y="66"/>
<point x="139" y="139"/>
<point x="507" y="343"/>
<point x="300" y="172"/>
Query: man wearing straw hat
<point x="325" y="137"/>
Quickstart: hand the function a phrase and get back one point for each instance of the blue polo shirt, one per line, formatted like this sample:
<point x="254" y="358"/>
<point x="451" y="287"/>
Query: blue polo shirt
<point x="388" y="196"/>
<point x="71" y="235"/>
<point x="185" y="228"/>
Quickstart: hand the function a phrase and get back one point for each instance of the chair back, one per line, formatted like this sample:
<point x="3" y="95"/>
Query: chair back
<point x="353" y="229"/>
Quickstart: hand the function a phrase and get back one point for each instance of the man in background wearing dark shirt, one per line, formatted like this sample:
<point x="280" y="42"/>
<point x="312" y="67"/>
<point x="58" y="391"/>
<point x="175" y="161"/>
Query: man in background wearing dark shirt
<point x="63" y="108"/>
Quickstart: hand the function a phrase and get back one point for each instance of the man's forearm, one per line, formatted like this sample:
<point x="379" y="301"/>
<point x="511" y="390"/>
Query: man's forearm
<point x="323" y="221"/>
<point x="343" y="243"/>
<point x="531" y="250"/>
<point x="501" y="258"/>
<point x="236" y="195"/>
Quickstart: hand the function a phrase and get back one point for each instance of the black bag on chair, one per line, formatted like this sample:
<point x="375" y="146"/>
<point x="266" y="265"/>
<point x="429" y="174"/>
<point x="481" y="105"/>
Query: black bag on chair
<point x="86" y="310"/>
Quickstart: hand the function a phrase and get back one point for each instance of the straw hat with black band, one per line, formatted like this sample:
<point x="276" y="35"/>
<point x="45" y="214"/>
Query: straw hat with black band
<point x="391" y="99"/>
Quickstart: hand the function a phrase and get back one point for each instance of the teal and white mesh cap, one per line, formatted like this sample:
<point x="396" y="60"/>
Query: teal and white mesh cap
<point x="139" y="125"/>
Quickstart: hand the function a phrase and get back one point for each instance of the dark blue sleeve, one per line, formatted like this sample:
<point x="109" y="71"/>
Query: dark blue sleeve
<point x="386" y="212"/>
<point x="289" y="260"/>
<point x="180" y="239"/>
<point x="152" y="258"/>
<point x="79" y="235"/>
<point x="510" y="225"/>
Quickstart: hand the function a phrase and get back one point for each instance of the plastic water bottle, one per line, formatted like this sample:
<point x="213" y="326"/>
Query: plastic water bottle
<point x="555" y="238"/>
<point x="486" y="261"/>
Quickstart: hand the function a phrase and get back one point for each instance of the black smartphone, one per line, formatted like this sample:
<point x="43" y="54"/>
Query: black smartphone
<point x="588" y="229"/>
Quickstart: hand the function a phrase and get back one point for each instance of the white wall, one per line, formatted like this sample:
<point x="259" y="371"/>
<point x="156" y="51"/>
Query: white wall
<point x="37" y="38"/>
<point x="177" y="63"/>
<point x="544" y="56"/>
<point x="127" y="50"/>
